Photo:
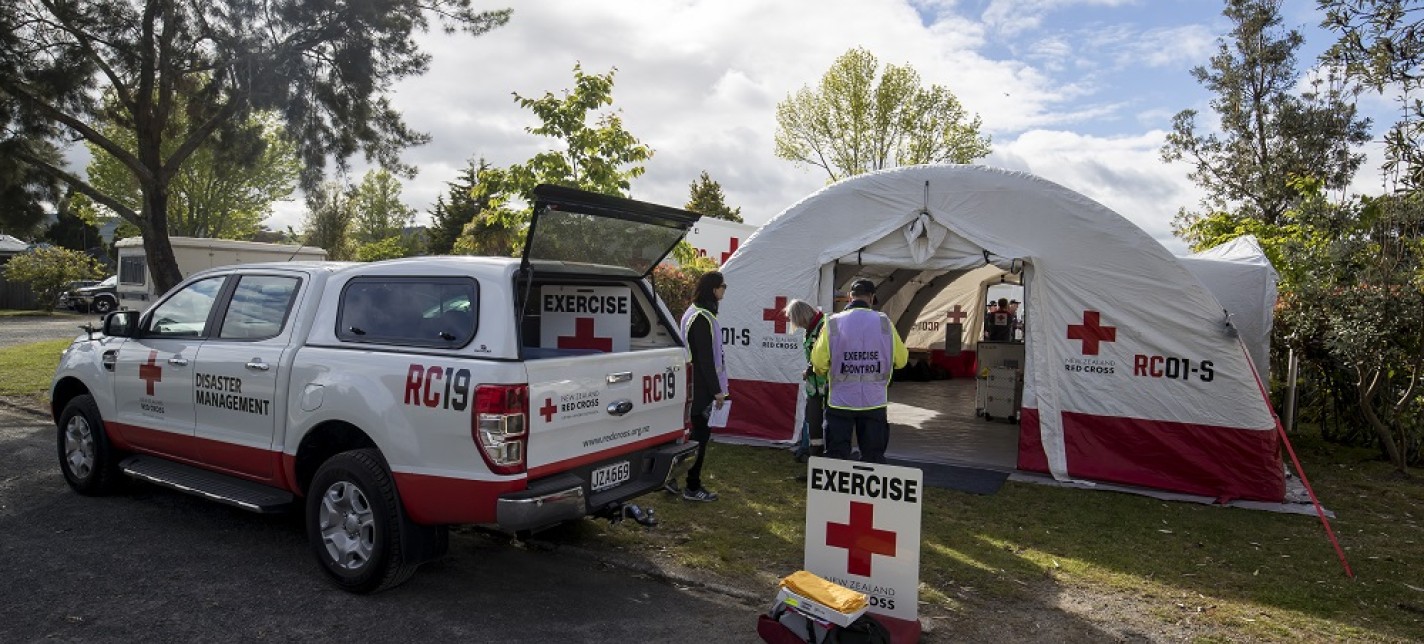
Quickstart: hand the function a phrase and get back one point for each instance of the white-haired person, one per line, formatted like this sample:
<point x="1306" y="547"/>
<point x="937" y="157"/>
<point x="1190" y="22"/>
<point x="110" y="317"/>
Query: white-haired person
<point x="809" y="319"/>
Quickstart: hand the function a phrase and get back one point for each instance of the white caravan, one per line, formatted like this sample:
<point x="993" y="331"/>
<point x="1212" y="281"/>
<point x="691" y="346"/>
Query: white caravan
<point x="136" y="288"/>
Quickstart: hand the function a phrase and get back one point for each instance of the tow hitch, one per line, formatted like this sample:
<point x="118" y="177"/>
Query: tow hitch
<point x="615" y="512"/>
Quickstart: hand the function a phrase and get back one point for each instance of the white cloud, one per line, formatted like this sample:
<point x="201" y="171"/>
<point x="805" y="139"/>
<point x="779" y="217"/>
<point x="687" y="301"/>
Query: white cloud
<point x="1122" y="173"/>
<point x="1012" y="17"/>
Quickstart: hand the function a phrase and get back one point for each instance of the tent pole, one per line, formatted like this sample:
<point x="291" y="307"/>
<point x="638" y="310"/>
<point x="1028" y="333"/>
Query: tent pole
<point x="1319" y="511"/>
<point x="1292" y="364"/>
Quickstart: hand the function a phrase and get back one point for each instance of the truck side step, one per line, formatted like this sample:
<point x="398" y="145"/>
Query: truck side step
<point x="253" y="497"/>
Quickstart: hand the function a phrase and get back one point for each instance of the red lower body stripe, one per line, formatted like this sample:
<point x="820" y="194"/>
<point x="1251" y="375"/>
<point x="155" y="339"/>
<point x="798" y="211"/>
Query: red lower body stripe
<point x="430" y="500"/>
<point x="1225" y="463"/>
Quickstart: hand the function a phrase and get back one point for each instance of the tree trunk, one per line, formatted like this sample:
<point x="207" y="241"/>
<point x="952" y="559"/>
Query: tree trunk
<point x="162" y="266"/>
<point x="1382" y="431"/>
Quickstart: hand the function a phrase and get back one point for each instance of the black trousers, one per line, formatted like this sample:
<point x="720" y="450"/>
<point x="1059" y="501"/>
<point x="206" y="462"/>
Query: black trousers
<point x="703" y="435"/>
<point x="872" y="432"/>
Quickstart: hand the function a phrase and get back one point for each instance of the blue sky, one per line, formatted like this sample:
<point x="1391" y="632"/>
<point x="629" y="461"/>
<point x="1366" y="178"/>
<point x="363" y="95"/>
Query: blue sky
<point x="1081" y="92"/>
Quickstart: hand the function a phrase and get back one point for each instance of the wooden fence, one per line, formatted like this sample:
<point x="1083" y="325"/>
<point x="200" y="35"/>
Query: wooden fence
<point x="15" y="295"/>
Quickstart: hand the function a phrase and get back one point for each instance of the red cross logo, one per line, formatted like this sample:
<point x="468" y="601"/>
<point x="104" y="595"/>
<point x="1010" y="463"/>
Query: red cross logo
<point x="583" y="337"/>
<point x="776" y="314"/>
<point x="151" y="372"/>
<point x="1091" y="332"/>
<point x="860" y="538"/>
<point x="547" y="411"/>
<point x="956" y="315"/>
<point x="729" y="253"/>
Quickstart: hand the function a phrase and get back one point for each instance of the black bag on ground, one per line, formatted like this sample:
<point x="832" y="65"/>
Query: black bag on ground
<point x="786" y="626"/>
<point x="864" y="630"/>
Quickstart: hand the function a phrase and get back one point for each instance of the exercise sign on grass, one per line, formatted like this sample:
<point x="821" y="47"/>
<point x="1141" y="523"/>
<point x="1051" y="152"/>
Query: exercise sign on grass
<point x="863" y="531"/>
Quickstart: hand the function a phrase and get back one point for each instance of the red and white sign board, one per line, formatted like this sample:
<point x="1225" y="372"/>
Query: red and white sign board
<point x="863" y="531"/>
<point x="585" y="317"/>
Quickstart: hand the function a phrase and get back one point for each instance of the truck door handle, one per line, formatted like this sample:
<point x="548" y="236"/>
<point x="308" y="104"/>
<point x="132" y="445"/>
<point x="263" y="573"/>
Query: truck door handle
<point x="620" y="407"/>
<point x="622" y="376"/>
<point x="258" y="364"/>
<point x="178" y="360"/>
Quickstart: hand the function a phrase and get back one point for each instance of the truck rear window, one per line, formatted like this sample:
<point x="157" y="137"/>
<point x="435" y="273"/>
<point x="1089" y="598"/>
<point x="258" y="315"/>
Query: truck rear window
<point x="409" y="311"/>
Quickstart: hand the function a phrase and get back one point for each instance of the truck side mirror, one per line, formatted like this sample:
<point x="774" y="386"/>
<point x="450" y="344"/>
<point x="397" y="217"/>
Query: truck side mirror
<point x="121" y="324"/>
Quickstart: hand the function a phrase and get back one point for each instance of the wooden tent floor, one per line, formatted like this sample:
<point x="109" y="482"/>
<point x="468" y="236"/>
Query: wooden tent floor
<point x="935" y="422"/>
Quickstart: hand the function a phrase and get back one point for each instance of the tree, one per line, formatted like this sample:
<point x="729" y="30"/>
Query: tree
<point x="380" y="213"/>
<point x="602" y="157"/>
<point x="706" y="199"/>
<point x="49" y="269"/>
<point x="1268" y="135"/>
<point x="74" y="228"/>
<point x="224" y="190"/>
<point x="1382" y="46"/>
<point x="454" y="209"/>
<point x="24" y="189"/>
<point x="329" y="220"/>
<point x="1363" y="314"/>
<point x="851" y="124"/>
<point x="326" y="67"/>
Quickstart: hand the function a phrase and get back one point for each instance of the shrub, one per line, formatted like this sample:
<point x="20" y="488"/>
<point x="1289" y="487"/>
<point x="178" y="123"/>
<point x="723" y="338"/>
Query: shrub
<point x="49" y="269"/>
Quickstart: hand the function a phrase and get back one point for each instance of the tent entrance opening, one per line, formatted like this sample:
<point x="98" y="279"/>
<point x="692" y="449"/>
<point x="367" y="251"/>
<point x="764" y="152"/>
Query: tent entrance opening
<point x="934" y="422"/>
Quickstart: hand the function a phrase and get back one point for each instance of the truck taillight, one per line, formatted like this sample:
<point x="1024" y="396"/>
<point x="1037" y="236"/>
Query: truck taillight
<point x="500" y="426"/>
<point x="687" y="405"/>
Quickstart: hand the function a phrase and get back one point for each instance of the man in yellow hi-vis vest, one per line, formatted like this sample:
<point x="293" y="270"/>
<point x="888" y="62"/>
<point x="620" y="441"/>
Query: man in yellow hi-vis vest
<point x="858" y="351"/>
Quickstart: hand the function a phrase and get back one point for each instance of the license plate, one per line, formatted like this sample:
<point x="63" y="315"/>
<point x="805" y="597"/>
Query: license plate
<point x="610" y="475"/>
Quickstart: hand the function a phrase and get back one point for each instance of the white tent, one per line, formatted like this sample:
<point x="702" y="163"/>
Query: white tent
<point x="1134" y="374"/>
<point x="1244" y="282"/>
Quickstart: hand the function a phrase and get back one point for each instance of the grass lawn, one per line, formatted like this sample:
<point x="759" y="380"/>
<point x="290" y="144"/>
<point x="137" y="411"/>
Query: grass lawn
<point x="1213" y="573"/>
<point x="28" y="368"/>
<point x="1236" y="574"/>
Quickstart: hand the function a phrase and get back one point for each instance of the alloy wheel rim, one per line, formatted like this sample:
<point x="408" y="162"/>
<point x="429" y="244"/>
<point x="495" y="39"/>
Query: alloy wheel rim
<point x="79" y="447"/>
<point x="348" y="525"/>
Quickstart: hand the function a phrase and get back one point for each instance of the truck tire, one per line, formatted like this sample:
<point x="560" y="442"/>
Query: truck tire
<point x="103" y="304"/>
<point x="354" y="523"/>
<point x="86" y="458"/>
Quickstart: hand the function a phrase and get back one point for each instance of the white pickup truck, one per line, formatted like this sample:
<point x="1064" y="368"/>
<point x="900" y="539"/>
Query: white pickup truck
<point x="395" y="398"/>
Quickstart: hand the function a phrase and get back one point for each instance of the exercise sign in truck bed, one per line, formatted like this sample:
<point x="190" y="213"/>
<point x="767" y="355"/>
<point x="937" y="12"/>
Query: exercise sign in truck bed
<point x="863" y="531"/>
<point x="585" y="317"/>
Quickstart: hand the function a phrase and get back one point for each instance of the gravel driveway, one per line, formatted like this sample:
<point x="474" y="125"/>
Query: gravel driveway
<point x="61" y="326"/>
<point x="154" y="565"/>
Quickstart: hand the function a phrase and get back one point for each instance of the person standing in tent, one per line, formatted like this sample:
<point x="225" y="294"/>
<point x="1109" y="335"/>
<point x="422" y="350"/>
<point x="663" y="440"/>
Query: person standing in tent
<point x="858" y="351"/>
<point x="808" y="318"/>
<point x="1001" y="323"/>
<point x="702" y="336"/>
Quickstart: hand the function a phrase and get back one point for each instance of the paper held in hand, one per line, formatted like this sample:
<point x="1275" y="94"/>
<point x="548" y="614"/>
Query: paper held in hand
<point x="718" y="417"/>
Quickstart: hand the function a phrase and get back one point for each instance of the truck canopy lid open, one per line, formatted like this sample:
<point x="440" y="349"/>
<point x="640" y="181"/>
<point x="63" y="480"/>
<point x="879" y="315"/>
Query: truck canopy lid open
<point x="571" y="225"/>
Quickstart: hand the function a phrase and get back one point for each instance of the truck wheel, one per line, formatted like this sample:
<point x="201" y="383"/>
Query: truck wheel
<point x="354" y="524"/>
<point x="85" y="456"/>
<point x="103" y="304"/>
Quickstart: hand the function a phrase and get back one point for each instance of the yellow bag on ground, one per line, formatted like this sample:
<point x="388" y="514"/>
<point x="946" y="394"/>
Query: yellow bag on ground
<point x="827" y="593"/>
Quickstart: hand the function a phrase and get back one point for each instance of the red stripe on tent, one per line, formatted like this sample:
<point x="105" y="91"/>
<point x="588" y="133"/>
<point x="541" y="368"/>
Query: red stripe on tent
<point x="1222" y="462"/>
<point x="1032" y="458"/>
<point x="765" y="410"/>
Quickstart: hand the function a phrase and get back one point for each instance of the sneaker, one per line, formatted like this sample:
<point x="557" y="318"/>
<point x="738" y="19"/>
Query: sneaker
<point x="671" y="487"/>
<point x="699" y="495"/>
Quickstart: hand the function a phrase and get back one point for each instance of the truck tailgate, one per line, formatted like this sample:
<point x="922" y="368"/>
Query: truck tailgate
<point x="584" y="409"/>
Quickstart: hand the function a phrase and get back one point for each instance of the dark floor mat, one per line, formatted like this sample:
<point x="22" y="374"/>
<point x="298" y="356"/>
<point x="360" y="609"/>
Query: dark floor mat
<point x="955" y="477"/>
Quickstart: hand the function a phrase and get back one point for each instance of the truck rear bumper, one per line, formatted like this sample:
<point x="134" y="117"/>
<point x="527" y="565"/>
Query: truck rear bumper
<point x="569" y="495"/>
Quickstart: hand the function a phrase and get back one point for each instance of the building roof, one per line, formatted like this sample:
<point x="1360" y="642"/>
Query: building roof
<point x="11" y="245"/>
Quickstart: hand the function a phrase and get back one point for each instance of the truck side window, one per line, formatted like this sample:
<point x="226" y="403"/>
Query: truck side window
<point x="411" y="311"/>
<point x="185" y="313"/>
<point x="259" y="307"/>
